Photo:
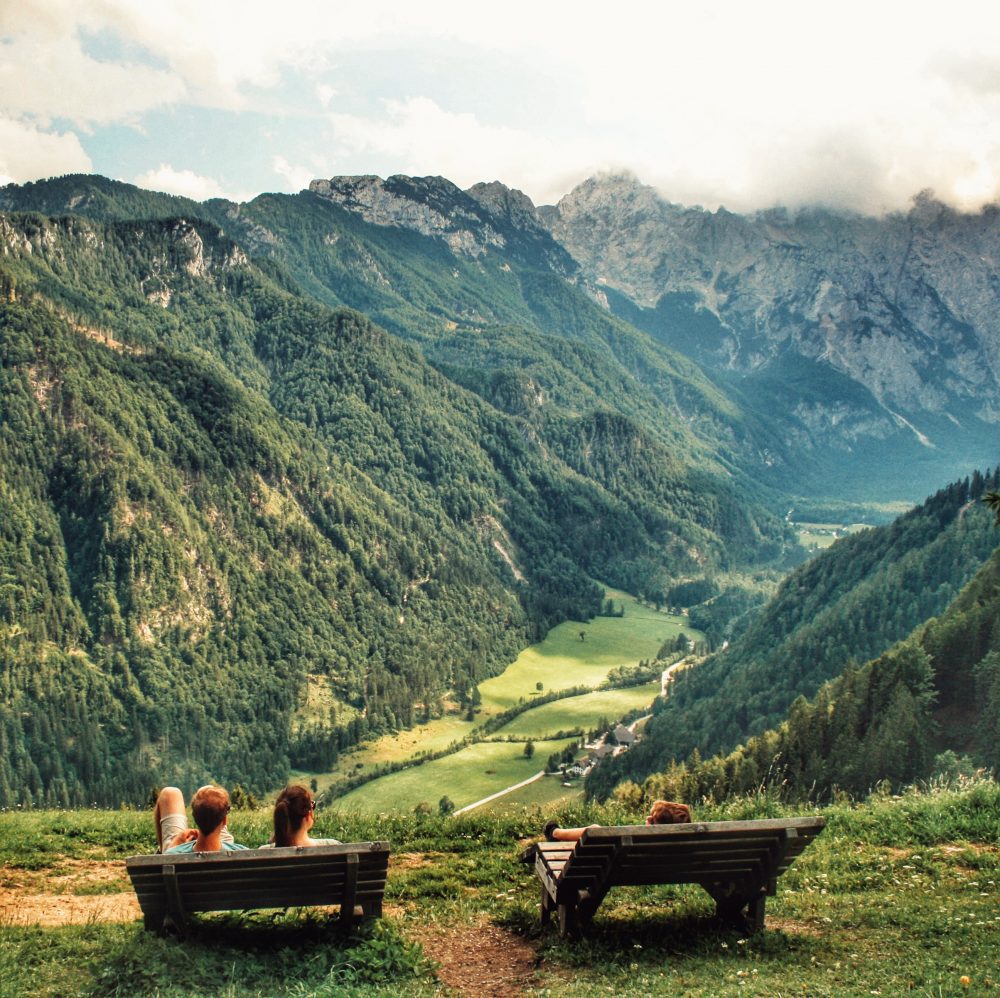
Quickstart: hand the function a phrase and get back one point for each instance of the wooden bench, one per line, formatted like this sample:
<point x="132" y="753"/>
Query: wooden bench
<point x="737" y="862"/>
<point x="172" y="886"/>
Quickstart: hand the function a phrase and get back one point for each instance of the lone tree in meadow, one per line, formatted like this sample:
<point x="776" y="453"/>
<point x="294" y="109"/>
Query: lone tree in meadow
<point x="445" y="806"/>
<point x="529" y="749"/>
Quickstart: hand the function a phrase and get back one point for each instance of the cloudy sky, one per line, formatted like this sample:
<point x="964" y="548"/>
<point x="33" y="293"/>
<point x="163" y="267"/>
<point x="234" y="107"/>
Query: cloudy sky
<point x="854" y="104"/>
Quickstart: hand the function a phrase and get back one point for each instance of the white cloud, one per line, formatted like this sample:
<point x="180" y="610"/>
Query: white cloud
<point x="296" y="177"/>
<point x="27" y="153"/>
<point x="418" y="137"/>
<point x="45" y="73"/>
<point x="325" y="93"/>
<point x="185" y="183"/>
<point x="858" y="105"/>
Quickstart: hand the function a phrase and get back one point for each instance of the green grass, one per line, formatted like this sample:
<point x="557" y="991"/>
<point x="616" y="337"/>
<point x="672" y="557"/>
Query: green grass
<point x="547" y="795"/>
<point x="815" y="536"/>
<point x="580" y="712"/>
<point x="897" y="897"/>
<point x="466" y="776"/>
<point x="562" y="660"/>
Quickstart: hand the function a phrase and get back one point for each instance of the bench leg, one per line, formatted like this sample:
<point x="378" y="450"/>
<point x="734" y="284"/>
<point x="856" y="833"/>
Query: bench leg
<point x="587" y="905"/>
<point x="743" y="913"/>
<point x="569" y="923"/>
<point x="546" y="907"/>
<point x="755" y="913"/>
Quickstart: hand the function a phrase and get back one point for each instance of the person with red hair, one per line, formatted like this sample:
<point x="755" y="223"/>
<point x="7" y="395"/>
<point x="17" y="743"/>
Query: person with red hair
<point x="210" y="807"/>
<point x="663" y="812"/>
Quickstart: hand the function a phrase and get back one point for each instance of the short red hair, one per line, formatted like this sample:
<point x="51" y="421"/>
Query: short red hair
<point x="666" y="812"/>
<point x="210" y="805"/>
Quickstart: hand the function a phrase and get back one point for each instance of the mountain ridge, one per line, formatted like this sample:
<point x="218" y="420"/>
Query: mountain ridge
<point x="214" y="486"/>
<point x="902" y="306"/>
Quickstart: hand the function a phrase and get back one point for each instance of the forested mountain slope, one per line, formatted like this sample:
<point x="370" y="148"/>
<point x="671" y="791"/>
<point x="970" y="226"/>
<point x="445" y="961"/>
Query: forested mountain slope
<point x="488" y="297"/>
<point x="849" y="603"/>
<point x="213" y="488"/>
<point x="928" y="706"/>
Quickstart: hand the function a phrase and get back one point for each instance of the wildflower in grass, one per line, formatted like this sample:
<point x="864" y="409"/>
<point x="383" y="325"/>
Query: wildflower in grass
<point x="965" y="981"/>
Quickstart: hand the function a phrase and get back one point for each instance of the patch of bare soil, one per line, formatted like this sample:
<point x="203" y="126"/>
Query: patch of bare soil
<point x="479" y="959"/>
<point x="80" y="892"/>
<point x="410" y="860"/>
<point x="792" y="927"/>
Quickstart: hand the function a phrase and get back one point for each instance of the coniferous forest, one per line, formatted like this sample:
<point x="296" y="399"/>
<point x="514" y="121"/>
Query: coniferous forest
<point x="218" y="493"/>
<point x="273" y="479"/>
<point x="871" y="660"/>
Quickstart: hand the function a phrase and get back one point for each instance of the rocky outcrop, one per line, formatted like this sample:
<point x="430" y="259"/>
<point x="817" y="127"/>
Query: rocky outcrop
<point x="487" y="218"/>
<point x="904" y="307"/>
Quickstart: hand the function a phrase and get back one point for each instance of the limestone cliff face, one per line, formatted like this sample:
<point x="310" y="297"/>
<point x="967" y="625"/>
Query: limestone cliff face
<point x="905" y="307"/>
<point x="485" y="218"/>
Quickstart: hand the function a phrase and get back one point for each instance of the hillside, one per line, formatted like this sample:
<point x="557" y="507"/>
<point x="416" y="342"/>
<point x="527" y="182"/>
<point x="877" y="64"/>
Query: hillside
<point x="814" y="355"/>
<point x="927" y="708"/>
<point x="479" y="286"/>
<point x="215" y="488"/>
<point x="849" y="604"/>
<point x="871" y="342"/>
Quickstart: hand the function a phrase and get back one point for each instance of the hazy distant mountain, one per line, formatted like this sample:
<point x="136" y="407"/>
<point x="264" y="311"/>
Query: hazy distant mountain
<point x="867" y="339"/>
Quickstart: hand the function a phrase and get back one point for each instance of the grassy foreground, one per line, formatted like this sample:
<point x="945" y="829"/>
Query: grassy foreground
<point x="897" y="897"/>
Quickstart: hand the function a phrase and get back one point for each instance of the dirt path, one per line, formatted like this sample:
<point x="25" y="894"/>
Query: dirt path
<point x="480" y="959"/>
<point x="499" y="793"/>
<point x="80" y="893"/>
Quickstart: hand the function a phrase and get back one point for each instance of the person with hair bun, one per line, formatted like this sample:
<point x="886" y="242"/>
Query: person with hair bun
<point x="294" y="814"/>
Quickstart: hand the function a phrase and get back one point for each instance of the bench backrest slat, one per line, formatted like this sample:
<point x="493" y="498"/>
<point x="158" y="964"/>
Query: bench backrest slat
<point x="347" y="874"/>
<point x="689" y="853"/>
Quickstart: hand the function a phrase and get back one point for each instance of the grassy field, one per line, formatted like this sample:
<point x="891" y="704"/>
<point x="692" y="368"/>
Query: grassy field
<point x="580" y="711"/>
<point x="561" y="661"/>
<point x="465" y="776"/>
<point x="548" y="795"/>
<point x="816" y="536"/>
<point x="897" y="897"/>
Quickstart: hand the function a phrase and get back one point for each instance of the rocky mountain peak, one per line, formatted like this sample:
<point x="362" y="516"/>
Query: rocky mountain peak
<point x="902" y="306"/>
<point x="487" y="218"/>
<point x="502" y="201"/>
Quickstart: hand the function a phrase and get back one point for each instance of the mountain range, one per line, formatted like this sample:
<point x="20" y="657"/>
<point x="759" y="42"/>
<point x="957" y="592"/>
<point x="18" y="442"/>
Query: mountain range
<point x="313" y="462"/>
<point x="868" y="339"/>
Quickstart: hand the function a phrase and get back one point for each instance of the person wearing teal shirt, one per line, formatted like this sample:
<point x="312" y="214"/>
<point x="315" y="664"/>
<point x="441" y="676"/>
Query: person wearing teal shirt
<point x="210" y="807"/>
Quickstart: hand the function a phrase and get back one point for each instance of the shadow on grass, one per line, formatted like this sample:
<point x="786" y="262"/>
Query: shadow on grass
<point x="626" y="935"/>
<point x="295" y="953"/>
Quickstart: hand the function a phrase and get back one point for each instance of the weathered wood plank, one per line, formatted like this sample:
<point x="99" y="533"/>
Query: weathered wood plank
<point x="737" y="862"/>
<point x="352" y="875"/>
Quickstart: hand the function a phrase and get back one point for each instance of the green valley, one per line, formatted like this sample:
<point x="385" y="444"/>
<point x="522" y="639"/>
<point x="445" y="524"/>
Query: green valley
<point x="615" y="652"/>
